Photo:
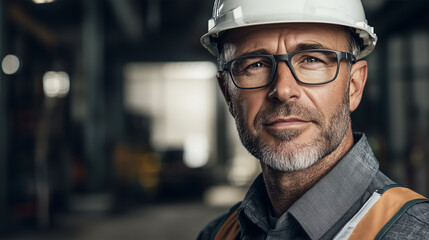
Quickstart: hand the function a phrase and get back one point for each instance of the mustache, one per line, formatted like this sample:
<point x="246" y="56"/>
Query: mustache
<point x="289" y="109"/>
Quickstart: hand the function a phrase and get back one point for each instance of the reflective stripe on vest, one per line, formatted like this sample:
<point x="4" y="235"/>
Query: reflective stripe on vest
<point x="372" y="221"/>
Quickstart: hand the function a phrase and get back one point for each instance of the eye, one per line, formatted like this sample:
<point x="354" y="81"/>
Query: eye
<point x="251" y="65"/>
<point x="312" y="60"/>
<point x="256" y="65"/>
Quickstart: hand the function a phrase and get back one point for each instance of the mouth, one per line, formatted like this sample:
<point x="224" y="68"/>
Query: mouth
<point x="288" y="122"/>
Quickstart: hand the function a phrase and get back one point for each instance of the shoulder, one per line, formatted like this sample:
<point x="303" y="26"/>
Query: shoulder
<point x="413" y="224"/>
<point x="210" y="230"/>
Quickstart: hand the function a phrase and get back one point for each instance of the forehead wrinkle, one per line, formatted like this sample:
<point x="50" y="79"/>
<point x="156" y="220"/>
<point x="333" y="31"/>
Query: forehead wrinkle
<point x="336" y="37"/>
<point x="264" y="43"/>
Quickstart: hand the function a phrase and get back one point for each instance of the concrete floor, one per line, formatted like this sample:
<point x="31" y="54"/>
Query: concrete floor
<point x="156" y="222"/>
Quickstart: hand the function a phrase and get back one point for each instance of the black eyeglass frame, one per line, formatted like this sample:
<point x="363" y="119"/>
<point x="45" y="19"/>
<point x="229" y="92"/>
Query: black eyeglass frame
<point x="287" y="58"/>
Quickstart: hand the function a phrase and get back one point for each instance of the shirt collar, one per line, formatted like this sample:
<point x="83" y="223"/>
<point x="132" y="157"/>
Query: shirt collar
<point x="329" y="199"/>
<point x="255" y="206"/>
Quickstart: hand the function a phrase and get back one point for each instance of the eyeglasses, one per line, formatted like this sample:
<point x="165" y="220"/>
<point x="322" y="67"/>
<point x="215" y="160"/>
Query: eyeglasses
<point x="312" y="67"/>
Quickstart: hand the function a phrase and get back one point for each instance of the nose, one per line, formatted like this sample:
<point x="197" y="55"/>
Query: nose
<point x="284" y="87"/>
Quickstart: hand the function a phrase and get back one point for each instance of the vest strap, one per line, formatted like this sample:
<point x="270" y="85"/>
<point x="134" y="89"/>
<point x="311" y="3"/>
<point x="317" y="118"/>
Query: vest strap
<point x="229" y="229"/>
<point x="395" y="218"/>
<point x="385" y="212"/>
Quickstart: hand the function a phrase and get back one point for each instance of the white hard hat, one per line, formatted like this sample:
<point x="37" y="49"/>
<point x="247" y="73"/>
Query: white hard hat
<point x="230" y="14"/>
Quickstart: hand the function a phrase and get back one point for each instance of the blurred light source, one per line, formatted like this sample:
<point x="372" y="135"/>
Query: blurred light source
<point x="224" y="196"/>
<point x="196" y="151"/>
<point x="10" y="64"/>
<point x="243" y="170"/>
<point x="189" y="70"/>
<point x="43" y="1"/>
<point x="56" y="84"/>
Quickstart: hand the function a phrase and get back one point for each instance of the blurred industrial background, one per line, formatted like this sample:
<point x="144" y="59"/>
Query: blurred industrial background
<point x="112" y="125"/>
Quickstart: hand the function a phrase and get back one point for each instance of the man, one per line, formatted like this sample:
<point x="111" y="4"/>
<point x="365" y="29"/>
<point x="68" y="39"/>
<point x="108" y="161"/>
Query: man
<point x="291" y="73"/>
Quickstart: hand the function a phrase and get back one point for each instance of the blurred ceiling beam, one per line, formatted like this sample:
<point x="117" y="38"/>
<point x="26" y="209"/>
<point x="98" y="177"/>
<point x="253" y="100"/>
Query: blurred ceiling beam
<point x="397" y="16"/>
<point x="372" y="5"/>
<point x="153" y="17"/>
<point x="131" y="22"/>
<point x="40" y="31"/>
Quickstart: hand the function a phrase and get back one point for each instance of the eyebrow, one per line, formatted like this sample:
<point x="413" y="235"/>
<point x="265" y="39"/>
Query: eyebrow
<point x="297" y="48"/>
<point x="257" y="51"/>
<point x="308" y="46"/>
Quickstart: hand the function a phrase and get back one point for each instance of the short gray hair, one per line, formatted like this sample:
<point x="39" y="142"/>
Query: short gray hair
<point x="354" y="45"/>
<point x="226" y="53"/>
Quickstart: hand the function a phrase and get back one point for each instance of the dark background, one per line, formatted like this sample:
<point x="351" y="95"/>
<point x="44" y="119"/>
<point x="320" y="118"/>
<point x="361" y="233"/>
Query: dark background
<point x="86" y="155"/>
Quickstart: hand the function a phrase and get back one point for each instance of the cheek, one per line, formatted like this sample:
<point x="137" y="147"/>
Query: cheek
<point x="327" y="100"/>
<point x="248" y="104"/>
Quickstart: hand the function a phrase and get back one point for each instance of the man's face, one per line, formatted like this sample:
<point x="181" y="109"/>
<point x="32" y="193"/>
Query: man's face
<point x="289" y="125"/>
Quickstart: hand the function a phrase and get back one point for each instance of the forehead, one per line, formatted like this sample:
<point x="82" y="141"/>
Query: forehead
<point x="284" y="38"/>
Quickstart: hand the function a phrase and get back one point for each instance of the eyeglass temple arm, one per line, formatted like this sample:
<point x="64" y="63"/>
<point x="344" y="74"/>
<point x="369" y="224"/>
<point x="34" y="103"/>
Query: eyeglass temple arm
<point x="350" y="57"/>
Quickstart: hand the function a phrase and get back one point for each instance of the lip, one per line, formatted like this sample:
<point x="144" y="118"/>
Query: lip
<point x="286" y="122"/>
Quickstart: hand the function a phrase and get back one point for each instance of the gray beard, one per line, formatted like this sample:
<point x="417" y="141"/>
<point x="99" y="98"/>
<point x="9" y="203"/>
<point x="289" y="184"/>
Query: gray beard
<point x="288" y="156"/>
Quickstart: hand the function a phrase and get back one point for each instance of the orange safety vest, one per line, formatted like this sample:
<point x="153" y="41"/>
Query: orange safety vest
<point x="372" y="221"/>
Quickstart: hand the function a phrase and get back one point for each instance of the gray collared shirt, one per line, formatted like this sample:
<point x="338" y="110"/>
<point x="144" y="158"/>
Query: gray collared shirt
<point x="322" y="211"/>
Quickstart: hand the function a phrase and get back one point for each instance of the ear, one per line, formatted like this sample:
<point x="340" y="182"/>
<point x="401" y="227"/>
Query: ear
<point x="222" y="85"/>
<point x="358" y="76"/>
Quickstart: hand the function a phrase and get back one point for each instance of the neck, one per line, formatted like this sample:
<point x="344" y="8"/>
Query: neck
<point x="284" y="188"/>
